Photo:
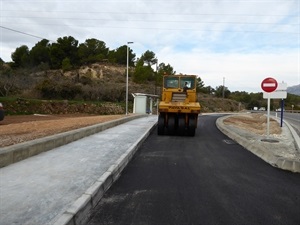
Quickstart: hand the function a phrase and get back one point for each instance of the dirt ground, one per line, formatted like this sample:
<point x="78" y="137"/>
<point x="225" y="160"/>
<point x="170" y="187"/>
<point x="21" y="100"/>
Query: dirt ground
<point x="17" y="129"/>
<point x="254" y="122"/>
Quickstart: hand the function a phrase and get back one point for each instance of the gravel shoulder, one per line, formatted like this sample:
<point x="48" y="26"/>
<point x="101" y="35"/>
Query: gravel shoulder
<point x="18" y="129"/>
<point x="254" y="122"/>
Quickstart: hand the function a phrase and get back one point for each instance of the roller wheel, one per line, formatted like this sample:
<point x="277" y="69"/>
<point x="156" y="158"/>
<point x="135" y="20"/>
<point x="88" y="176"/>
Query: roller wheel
<point x="192" y="126"/>
<point x="171" y="124"/>
<point x="161" y="125"/>
<point x="181" y="125"/>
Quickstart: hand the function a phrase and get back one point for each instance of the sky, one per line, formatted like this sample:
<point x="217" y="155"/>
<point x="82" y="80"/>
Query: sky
<point x="237" y="43"/>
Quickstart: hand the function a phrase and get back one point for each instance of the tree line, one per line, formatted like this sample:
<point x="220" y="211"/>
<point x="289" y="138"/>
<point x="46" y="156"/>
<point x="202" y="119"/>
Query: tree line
<point x="68" y="54"/>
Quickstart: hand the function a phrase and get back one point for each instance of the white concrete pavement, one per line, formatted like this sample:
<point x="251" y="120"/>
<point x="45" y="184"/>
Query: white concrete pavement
<point x="51" y="187"/>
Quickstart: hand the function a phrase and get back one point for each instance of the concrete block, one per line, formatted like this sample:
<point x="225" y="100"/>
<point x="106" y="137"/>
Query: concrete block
<point x="60" y="141"/>
<point x="6" y="158"/>
<point x="93" y="130"/>
<point x="106" y="179"/>
<point x="48" y="144"/>
<point x="129" y="154"/>
<point x="79" y="204"/>
<point x="296" y="167"/>
<point x="68" y="139"/>
<point x="99" y="129"/>
<point x="96" y="192"/>
<point x="34" y="150"/>
<point x="287" y="165"/>
<point x="280" y="162"/>
<point x="122" y="162"/>
<point x="271" y="159"/>
<point x="114" y="170"/>
<point x="77" y="135"/>
<point x="65" y="219"/>
<point x="260" y="153"/>
<point x="20" y="154"/>
<point x="81" y="209"/>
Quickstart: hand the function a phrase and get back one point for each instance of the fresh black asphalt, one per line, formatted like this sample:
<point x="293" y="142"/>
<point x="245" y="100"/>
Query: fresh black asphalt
<point x="206" y="179"/>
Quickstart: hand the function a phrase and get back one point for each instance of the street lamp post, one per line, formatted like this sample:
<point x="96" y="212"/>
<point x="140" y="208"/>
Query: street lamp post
<point x="129" y="42"/>
<point x="156" y="75"/>
<point x="223" y="91"/>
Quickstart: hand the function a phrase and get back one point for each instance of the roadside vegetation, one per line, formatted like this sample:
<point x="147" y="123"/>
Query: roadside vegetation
<point x="72" y="77"/>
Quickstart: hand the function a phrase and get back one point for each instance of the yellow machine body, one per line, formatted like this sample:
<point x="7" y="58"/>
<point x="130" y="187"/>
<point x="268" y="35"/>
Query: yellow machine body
<point x="178" y="108"/>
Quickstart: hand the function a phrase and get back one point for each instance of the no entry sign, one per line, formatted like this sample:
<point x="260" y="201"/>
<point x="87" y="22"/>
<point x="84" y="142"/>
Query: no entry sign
<point x="269" y="84"/>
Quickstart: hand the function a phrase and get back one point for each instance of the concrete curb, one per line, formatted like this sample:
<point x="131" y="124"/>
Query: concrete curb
<point x="294" y="133"/>
<point x="79" y="212"/>
<point x="259" y="150"/>
<point x="18" y="152"/>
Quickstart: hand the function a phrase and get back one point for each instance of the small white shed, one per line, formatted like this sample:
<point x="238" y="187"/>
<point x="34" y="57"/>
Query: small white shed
<point x="143" y="103"/>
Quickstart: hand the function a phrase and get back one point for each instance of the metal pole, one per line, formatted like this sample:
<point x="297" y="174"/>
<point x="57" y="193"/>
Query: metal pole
<point x="223" y="92"/>
<point x="281" y="115"/>
<point x="268" y="119"/>
<point x="127" y="77"/>
<point x="156" y="75"/>
<point x="127" y="81"/>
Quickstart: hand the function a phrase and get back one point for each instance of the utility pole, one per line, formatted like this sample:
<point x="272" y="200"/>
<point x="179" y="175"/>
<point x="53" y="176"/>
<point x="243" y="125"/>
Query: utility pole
<point x="155" y="80"/>
<point x="223" y="94"/>
<point x="127" y="66"/>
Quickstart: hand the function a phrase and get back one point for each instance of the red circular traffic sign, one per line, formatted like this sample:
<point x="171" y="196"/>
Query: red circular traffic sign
<point x="269" y="84"/>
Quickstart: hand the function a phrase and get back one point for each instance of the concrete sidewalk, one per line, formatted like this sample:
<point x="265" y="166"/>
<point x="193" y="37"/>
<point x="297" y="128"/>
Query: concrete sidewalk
<point x="61" y="185"/>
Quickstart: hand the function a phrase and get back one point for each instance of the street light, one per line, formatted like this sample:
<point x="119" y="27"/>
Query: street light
<point x="129" y="42"/>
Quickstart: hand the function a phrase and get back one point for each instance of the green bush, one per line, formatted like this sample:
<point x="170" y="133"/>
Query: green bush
<point x="66" y="65"/>
<point x="50" y="89"/>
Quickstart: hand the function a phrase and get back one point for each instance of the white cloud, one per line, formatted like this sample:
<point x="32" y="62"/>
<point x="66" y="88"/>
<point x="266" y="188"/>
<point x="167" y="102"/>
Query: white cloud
<point x="243" y="41"/>
<point x="241" y="71"/>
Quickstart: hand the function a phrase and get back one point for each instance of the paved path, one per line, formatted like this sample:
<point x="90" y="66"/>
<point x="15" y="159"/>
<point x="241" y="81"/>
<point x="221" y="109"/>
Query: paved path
<point x="40" y="189"/>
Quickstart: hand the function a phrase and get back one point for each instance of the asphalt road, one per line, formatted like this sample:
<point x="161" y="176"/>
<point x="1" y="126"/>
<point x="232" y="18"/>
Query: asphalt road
<point x="292" y="118"/>
<point x="206" y="179"/>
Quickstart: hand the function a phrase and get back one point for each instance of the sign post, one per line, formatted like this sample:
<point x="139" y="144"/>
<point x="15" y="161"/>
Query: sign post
<point x="269" y="85"/>
<point x="279" y="93"/>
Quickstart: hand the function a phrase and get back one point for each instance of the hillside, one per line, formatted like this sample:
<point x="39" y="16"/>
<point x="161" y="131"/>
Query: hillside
<point x="294" y="90"/>
<point x="212" y="104"/>
<point x="109" y="79"/>
<point x="97" y="89"/>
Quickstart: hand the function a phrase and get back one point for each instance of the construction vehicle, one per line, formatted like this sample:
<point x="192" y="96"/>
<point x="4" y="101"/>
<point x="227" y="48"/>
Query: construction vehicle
<point x="178" y="108"/>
